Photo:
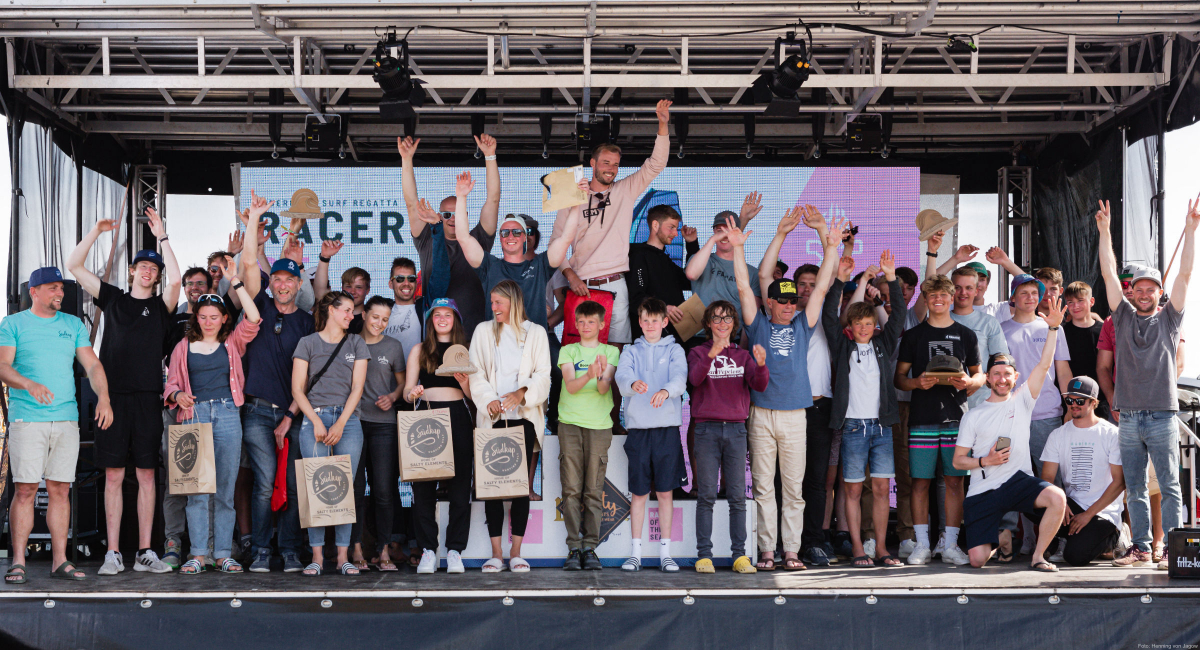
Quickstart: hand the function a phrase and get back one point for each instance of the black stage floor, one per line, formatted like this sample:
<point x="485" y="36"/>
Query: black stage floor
<point x="836" y="607"/>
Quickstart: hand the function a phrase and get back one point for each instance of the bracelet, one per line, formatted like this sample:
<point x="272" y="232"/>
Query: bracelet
<point x="491" y="157"/>
<point x="928" y="254"/>
<point x="301" y="267"/>
<point x="164" y="238"/>
<point x="981" y="463"/>
<point x="323" y="258"/>
<point x="239" y="285"/>
<point x="291" y="416"/>
<point x="1054" y="328"/>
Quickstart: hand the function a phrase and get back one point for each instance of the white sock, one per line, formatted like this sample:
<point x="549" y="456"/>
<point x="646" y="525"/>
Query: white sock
<point x="664" y="549"/>
<point x="637" y="549"/>
<point x="951" y="537"/>
<point x="922" y="533"/>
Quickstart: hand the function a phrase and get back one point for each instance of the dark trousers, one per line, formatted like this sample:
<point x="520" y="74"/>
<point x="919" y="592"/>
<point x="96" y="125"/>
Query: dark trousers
<point x="458" y="489"/>
<point x="493" y="511"/>
<point x="1093" y="540"/>
<point x="381" y="451"/>
<point x="720" y="448"/>
<point x="816" y="466"/>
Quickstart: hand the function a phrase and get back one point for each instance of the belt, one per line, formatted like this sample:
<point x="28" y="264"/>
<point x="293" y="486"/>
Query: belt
<point x="603" y="280"/>
<point x="262" y="402"/>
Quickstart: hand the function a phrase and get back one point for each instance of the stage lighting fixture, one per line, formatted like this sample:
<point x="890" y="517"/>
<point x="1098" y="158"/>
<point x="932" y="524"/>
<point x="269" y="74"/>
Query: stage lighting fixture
<point x="322" y="137"/>
<point x="864" y="134"/>
<point x="591" y="130"/>
<point x="958" y="46"/>
<point x="777" y="87"/>
<point x="401" y="93"/>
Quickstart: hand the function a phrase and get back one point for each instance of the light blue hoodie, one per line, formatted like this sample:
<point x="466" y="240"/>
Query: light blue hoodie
<point x="661" y="365"/>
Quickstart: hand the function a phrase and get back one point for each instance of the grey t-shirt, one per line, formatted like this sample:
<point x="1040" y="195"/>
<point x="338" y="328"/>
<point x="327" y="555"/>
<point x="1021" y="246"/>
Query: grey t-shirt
<point x="334" y="386"/>
<point x="532" y="275"/>
<point x="387" y="359"/>
<point x="991" y="341"/>
<point x="717" y="283"/>
<point x="1146" y="356"/>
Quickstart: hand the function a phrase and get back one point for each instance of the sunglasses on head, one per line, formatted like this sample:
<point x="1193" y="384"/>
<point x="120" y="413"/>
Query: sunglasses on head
<point x="512" y="232"/>
<point x="411" y="279"/>
<point x="211" y="298"/>
<point x="1076" y="401"/>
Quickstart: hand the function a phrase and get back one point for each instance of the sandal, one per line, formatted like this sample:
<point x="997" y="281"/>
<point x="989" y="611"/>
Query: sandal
<point x="229" y="565"/>
<point x="518" y="565"/>
<point x="362" y="566"/>
<point x="494" y="565"/>
<point x="765" y="564"/>
<point x="861" y="562"/>
<point x="348" y="569"/>
<point x="793" y="564"/>
<point x="1044" y="567"/>
<point x="312" y="570"/>
<point x="888" y="562"/>
<point x="386" y="565"/>
<point x="1004" y="558"/>
<point x="11" y="577"/>
<point x="191" y="567"/>
<point x="414" y="560"/>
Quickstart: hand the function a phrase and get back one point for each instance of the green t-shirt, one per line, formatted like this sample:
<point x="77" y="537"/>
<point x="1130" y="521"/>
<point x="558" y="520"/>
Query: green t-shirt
<point x="587" y="408"/>
<point x="45" y="352"/>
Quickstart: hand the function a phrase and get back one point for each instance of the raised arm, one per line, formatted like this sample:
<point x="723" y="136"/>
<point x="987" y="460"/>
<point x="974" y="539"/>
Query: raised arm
<point x="408" y="182"/>
<point x="766" y="269"/>
<point x="741" y="274"/>
<point x="829" y="263"/>
<point x="997" y="256"/>
<point x="1187" y="257"/>
<point x="556" y="252"/>
<point x="249" y="309"/>
<point x="920" y="310"/>
<point x="1038" y="375"/>
<point x="491" y="205"/>
<point x="964" y="254"/>
<point x="75" y="261"/>
<point x="699" y="261"/>
<point x="173" y="276"/>
<point x="1108" y="259"/>
<point x="250" y="272"/>
<point x="751" y="206"/>
<point x="329" y="248"/>
<point x="471" y="249"/>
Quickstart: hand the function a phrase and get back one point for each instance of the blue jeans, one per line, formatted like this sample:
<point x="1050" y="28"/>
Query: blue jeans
<point x="227" y="455"/>
<point x="866" y="442"/>
<point x="1153" y="436"/>
<point x="259" y="420"/>
<point x="350" y="443"/>
<point x="720" y="448"/>
<point x="1039" y="433"/>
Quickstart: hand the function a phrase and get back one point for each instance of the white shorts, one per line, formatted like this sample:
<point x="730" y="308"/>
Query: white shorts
<point x="619" y="330"/>
<point x="48" y="450"/>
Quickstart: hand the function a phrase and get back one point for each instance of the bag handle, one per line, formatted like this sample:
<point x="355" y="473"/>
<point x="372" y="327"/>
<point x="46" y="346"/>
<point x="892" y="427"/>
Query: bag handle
<point x="320" y="373"/>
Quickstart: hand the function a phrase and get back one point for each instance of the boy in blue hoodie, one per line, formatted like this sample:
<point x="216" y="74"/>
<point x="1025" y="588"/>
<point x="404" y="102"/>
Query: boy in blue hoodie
<point x="653" y="372"/>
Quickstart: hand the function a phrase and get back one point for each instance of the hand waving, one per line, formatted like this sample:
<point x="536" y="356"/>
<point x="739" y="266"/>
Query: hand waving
<point x="790" y="220"/>
<point x="464" y="184"/>
<point x="750" y="207"/>
<point x="1056" y="312"/>
<point x="735" y="234"/>
<point x="330" y="247"/>
<point x="486" y="144"/>
<point x="156" y="224"/>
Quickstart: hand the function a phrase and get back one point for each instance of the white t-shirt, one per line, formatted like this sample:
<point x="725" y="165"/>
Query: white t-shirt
<point x="1025" y="343"/>
<point x="984" y="424"/>
<point x="864" y="380"/>
<point x="820" y="368"/>
<point x="1001" y="311"/>
<point x="1083" y="457"/>
<point x="508" y="367"/>
<point x="404" y="325"/>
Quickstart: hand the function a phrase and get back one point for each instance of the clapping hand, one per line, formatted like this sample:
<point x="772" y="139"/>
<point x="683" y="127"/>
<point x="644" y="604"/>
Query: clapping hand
<point x="760" y="355"/>
<point x="659" y="398"/>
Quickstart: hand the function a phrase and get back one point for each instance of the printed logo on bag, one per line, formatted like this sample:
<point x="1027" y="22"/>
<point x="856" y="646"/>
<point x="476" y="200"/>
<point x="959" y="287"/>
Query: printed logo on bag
<point x="186" y="448"/>
<point x="501" y="456"/>
<point x="427" y="438"/>
<point x="330" y="484"/>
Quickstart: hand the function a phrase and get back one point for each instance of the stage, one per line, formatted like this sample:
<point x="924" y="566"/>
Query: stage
<point x="836" y="607"/>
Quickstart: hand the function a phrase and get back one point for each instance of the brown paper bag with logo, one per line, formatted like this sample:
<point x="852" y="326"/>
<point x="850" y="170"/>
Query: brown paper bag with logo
<point x="325" y="491"/>
<point x="500" y="468"/>
<point x="426" y="445"/>
<point x="191" y="468"/>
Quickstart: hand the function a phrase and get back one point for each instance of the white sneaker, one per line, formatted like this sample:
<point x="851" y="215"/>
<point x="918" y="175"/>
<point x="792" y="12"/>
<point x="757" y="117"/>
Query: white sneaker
<point x="1124" y="541"/>
<point x="429" y="562"/>
<point x="955" y="555"/>
<point x="113" y="564"/>
<point x="454" y="562"/>
<point x="906" y="548"/>
<point x="940" y="546"/>
<point x="869" y="548"/>
<point x="148" y="561"/>
<point x="1060" y="545"/>
<point x="920" y="555"/>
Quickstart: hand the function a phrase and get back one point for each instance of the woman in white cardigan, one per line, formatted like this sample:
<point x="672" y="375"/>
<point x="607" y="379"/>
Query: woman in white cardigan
<point x="510" y="389"/>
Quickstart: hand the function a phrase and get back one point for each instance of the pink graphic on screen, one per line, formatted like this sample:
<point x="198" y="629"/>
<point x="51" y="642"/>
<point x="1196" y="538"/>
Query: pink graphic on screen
<point x="533" y="530"/>
<point x="676" y="525"/>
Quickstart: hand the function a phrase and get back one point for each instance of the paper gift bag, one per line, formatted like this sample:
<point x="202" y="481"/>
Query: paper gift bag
<point x="500" y="468"/>
<point x="604" y="298"/>
<point x="426" y="445"/>
<point x="560" y="189"/>
<point x="190" y="461"/>
<point x="325" y="491"/>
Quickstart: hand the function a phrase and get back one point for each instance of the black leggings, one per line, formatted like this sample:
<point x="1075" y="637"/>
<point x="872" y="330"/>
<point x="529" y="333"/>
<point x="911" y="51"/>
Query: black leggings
<point x="458" y="489"/>
<point x="380" y="451"/>
<point x="1090" y="542"/>
<point x="519" y="512"/>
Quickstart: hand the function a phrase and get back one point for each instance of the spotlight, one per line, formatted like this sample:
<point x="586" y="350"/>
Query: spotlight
<point x="401" y="93"/>
<point x="958" y="46"/>
<point x="816" y="151"/>
<point x="777" y="87"/>
<point x="884" y="153"/>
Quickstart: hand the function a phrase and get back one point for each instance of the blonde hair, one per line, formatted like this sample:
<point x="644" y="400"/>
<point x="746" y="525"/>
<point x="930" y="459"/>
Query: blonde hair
<point x="516" y="309"/>
<point x="937" y="283"/>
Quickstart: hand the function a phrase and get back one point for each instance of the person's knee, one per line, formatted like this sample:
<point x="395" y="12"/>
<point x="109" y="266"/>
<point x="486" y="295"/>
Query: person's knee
<point x="1077" y="557"/>
<point x="979" y="555"/>
<point x="1053" y="497"/>
<point x="25" y="491"/>
<point x="853" y="490"/>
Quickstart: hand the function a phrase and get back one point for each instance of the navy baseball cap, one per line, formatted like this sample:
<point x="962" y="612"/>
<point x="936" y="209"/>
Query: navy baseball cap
<point x="443" y="302"/>
<point x="1025" y="278"/>
<point x="148" y="255"/>
<point x="1083" y="386"/>
<point x="286" y="264"/>
<point x="1001" y="359"/>
<point x="44" y="275"/>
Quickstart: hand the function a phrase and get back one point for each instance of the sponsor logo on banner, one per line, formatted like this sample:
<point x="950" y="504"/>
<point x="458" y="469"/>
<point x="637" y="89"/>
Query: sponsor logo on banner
<point x="427" y="438"/>
<point x="330" y="484"/>
<point x="186" y="452"/>
<point x="501" y="456"/>
<point x="614" y="509"/>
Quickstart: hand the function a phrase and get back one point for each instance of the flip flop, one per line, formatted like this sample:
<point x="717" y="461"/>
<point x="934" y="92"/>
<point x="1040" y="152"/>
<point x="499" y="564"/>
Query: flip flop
<point x="12" y="577"/>
<point x="793" y="564"/>
<point x="888" y="562"/>
<point x="1044" y="567"/>
<point x="386" y="566"/>
<point x="858" y="562"/>
<point x="1004" y="558"/>
<point x="765" y="565"/>
<point x="66" y="571"/>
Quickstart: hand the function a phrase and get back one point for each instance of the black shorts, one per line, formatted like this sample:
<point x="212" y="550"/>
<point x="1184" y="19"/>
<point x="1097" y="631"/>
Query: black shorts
<point x="655" y="458"/>
<point x="136" y="431"/>
<point x="982" y="513"/>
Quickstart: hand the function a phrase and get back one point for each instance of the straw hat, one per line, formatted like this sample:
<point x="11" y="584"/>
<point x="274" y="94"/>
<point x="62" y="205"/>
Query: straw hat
<point x="304" y="205"/>
<point x="931" y="221"/>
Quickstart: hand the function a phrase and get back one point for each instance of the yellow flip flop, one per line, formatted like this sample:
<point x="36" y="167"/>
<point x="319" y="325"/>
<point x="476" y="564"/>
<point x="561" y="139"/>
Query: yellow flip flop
<point x="744" y="565"/>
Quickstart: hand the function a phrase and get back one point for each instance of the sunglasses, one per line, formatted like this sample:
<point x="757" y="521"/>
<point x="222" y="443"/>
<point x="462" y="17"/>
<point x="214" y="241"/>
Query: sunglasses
<point x="411" y="279"/>
<point x="278" y="324"/>
<point x="447" y="215"/>
<point x="210" y="298"/>
<point x="721" y="319"/>
<point x="512" y="232"/>
<point x="787" y="301"/>
<point x="1076" y="401"/>
<point x="214" y="269"/>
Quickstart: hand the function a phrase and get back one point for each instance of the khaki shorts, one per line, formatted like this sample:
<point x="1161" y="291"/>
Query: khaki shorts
<point x="48" y="450"/>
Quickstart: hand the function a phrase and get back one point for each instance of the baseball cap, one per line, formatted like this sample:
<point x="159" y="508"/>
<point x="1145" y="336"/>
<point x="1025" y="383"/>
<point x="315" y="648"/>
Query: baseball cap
<point x="1083" y="386"/>
<point x="782" y="288"/>
<point x="719" y="220"/>
<point x="979" y="268"/>
<point x="515" y="219"/>
<point x="1001" y="359"/>
<point x="782" y="266"/>
<point x="443" y="302"/>
<point x="1025" y="278"/>
<point x="849" y="287"/>
<point x="1128" y="270"/>
<point x="944" y="363"/>
<point x="1147" y="273"/>
<point x="44" y="275"/>
<point x="286" y="264"/>
<point x="149" y="256"/>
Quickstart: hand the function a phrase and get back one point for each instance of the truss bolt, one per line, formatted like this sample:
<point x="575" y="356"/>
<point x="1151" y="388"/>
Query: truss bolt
<point x="963" y="600"/>
<point x="688" y="600"/>
<point x="508" y="600"/>
<point x="235" y="603"/>
<point x="326" y="603"/>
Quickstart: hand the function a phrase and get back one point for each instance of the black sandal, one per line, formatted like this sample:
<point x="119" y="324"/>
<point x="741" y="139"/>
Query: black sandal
<point x="1048" y="568"/>
<point x="857" y="562"/>
<point x="11" y="577"/>
<point x="1004" y="558"/>
<point x="67" y="571"/>
<point x="888" y="562"/>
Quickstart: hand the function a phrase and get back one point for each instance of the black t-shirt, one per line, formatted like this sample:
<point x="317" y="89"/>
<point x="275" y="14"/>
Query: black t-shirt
<point x="652" y="273"/>
<point x="268" y="357"/>
<point x="1082" y="342"/>
<point x="356" y="324"/>
<point x="939" y="404"/>
<point x="532" y="276"/>
<point x="179" y="329"/>
<point x="465" y="288"/>
<point x="135" y="331"/>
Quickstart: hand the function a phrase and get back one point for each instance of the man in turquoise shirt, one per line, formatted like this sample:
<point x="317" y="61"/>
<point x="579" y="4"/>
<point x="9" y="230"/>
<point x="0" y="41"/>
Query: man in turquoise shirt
<point x="37" y="347"/>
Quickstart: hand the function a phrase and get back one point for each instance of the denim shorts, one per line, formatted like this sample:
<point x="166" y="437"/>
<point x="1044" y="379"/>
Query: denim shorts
<point x="863" y="442"/>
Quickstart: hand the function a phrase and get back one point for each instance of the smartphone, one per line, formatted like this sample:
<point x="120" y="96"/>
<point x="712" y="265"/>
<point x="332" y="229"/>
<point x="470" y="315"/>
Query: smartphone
<point x="1002" y="443"/>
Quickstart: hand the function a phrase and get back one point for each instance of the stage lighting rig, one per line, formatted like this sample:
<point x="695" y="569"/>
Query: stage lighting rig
<point x="955" y="45"/>
<point x="401" y="93"/>
<point x="777" y="87"/>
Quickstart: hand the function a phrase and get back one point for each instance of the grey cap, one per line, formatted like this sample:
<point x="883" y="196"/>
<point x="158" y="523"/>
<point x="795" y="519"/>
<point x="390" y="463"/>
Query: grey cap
<point x="1147" y="273"/>
<point x="719" y="220"/>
